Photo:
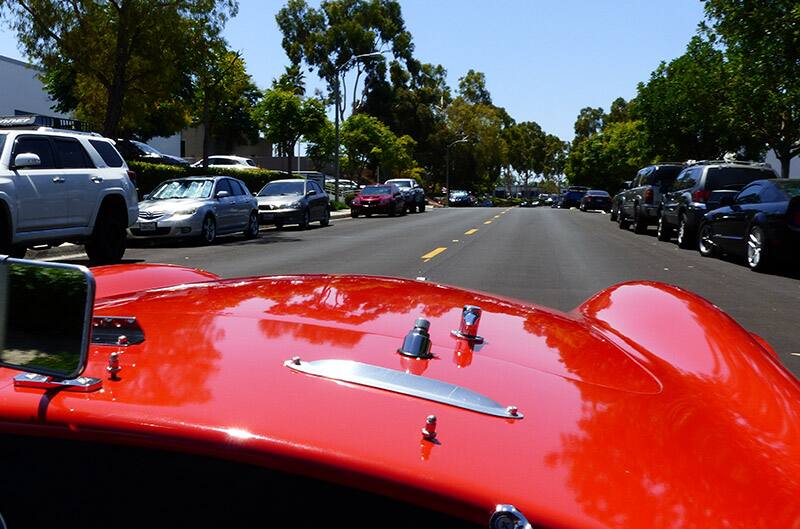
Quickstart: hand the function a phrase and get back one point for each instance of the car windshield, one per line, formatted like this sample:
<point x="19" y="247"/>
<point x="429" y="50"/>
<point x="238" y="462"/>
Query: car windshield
<point x="183" y="189"/>
<point x="400" y="183"/>
<point x="147" y="148"/>
<point x="664" y="175"/>
<point x="598" y="194"/>
<point x="282" y="188"/>
<point x="376" y="190"/>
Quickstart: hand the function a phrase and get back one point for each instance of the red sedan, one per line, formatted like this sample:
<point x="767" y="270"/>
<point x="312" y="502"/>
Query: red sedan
<point x="385" y="198"/>
<point x="186" y="400"/>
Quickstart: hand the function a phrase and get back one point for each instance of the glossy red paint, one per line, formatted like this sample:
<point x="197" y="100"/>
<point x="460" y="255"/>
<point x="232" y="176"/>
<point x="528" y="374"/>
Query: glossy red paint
<point x="627" y="424"/>
<point x="120" y="279"/>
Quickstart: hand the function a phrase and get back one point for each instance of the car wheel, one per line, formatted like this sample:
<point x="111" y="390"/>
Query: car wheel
<point x="306" y="220"/>
<point x="664" y="232"/>
<point x="685" y="239"/>
<point x="353" y="214"/>
<point x="251" y="232"/>
<point x="624" y="223"/>
<point x="639" y="224"/>
<point x="326" y="218"/>
<point x="613" y="217"/>
<point x="758" y="256"/>
<point x="368" y="215"/>
<point x="705" y="243"/>
<point x="392" y="208"/>
<point x="403" y="211"/>
<point x="106" y="245"/>
<point x="421" y="207"/>
<point x="208" y="230"/>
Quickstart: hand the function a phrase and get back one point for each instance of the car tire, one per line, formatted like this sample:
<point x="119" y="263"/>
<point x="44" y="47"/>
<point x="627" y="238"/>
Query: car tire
<point x="326" y="218"/>
<point x="208" y="230"/>
<point x="639" y="223"/>
<point x="251" y="231"/>
<point x="421" y="207"/>
<point x="368" y="215"/>
<point x="664" y="231"/>
<point x="353" y="214"/>
<point x="392" y="208"/>
<point x="758" y="257"/>
<point x="685" y="239"/>
<point x="624" y="223"/>
<point x="613" y="216"/>
<point x="108" y="241"/>
<point x="705" y="241"/>
<point x="306" y="220"/>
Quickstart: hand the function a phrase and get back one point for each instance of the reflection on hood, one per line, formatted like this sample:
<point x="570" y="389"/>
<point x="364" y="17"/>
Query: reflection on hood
<point x="169" y="205"/>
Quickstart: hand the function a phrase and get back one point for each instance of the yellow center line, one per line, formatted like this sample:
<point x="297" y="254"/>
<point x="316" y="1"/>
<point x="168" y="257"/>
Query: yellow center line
<point x="497" y="216"/>
<point x="434" y="253"/>
<point x="488" y="222"/>
<point x="471" y="232"/>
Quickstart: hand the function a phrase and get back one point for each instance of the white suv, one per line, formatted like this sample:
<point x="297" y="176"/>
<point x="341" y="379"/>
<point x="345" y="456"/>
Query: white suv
<point x="63" y="186"/>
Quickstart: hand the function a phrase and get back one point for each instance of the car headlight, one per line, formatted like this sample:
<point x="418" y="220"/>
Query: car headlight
<point x="294" y="205"/>
<point x="186" y="212"/>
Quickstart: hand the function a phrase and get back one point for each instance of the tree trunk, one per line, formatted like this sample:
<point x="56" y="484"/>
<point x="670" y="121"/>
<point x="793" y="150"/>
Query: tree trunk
<point x="785" y="157"/>
<point x="206" y="131"/>
<point x="290" y="156"/>
<point x="116" y="91"/>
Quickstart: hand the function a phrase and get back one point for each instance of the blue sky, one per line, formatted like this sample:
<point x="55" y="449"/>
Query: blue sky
<point x="543" y="60"/>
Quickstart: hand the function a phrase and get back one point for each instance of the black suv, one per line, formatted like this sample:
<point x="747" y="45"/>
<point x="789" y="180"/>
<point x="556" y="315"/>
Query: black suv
<point x="699" y="189"/>
<point x="641" y="202"/>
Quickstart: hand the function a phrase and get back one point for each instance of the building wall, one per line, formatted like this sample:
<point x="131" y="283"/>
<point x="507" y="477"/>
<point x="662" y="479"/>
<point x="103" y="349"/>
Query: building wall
<point x="21" y="91"/>
<point x="794" y="167"/>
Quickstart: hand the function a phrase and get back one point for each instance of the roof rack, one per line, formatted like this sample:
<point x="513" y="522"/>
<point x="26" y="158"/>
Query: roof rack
<point x="46" y="124"/>
<point x="728" y="162"/>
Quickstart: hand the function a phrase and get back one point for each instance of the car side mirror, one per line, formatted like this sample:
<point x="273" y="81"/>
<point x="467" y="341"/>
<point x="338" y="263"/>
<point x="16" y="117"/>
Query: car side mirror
<point x="45" y="317"/>
<point x="26" y="159"/>
<point x="310" y="192"/>
<point x="223" y="194"/>
<point x="146" y="196"/>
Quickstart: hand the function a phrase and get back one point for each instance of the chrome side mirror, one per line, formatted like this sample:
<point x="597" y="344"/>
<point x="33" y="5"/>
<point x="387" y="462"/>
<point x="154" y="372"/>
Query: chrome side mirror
<point x="26" y="159"/>
<point x="45" y="317"/>
<point x="222" y="194"/>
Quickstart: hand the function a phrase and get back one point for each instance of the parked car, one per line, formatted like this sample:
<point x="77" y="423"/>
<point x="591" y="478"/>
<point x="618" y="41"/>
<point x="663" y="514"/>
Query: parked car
<point x="761" y="223"/>
<point x="596" y="199"/>
<point x="181" y="399"/>
<point x="60" y="186"/>
<point x="615" y="200"/>
<point x="640" y="204"/>
<point x="571" y="198"/>
<point x="374" y="199"/>
<point x="698" y="189"/>
<point x="139" y="151"/>
<point x="460" y="199"/>
<point x="228" y="162"/>
<point x="549" y="200"/>
<point x="294" y="201"/>
<point x="197" y="206"/>
<point x="413" y="193"/>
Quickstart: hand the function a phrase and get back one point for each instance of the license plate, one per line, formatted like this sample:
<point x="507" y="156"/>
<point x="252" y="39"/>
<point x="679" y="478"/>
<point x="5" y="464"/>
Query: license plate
<point x="148" y="226"/>
<point x="266" y="217"/>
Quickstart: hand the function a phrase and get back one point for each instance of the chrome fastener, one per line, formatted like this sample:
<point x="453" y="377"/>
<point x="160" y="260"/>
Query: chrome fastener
<point x="429" y="431"/>
<point x="468" y="328"/>
<point x="513" y="411"/>
<point x="113" y="366"/>
<point x="296" y="360"/>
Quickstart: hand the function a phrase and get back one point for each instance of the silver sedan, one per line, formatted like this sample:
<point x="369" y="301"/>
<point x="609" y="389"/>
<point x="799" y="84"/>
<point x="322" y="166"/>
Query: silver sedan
<point x="202" y="207"/>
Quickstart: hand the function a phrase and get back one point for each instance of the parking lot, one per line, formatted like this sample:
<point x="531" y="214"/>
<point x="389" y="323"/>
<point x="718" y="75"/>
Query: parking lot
<point x="555" y="258"/>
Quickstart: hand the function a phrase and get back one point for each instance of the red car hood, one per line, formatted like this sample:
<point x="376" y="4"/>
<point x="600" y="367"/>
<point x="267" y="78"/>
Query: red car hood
<point x="616" y="433"/>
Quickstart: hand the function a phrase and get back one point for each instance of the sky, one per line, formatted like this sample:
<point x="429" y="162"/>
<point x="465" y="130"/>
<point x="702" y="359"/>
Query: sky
<point x="544" y="60"/>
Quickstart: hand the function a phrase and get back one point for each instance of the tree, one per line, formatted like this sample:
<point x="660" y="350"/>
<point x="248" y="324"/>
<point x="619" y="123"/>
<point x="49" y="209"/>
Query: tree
<point x="526" y="150"/>
<point x="472" y="88"/>
<point x="762" y="48"/>
<point x="590" y="121"/>
<point x="284" y="117"/>
<point x="609" y="157"/>
<point x="368" y="143"/>
<point x="124" y="64"/>
<point x="328" y="39"/>
<point x="321" y="146"/>
<point x="224" y="99"/>
<point x="685" y="108"/>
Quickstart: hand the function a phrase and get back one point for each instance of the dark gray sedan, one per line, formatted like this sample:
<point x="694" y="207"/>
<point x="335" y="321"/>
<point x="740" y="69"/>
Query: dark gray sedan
<point x="295" y="201"/>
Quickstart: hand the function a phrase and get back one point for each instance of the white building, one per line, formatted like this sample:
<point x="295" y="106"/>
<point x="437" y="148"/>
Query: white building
<point x="794" y="167"/>
<point x="22" y="92"/>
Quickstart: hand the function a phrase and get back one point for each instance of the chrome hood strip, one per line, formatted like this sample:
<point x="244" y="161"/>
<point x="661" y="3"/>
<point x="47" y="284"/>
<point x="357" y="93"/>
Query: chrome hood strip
<point x="404" y="383"/>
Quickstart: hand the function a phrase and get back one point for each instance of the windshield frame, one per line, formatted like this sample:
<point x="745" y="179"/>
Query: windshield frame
<point x="207" y="187"/>
<point x="302" y="184"/>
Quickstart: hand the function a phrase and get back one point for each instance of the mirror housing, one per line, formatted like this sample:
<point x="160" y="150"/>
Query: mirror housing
<point x="310" y="192"/>
<point x="45" y="317"/>
<point x="26" y="159"/>
<point x="222" y="194"/>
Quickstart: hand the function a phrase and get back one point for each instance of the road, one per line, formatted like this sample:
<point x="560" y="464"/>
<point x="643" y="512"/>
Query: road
<point x="556" y="258"/>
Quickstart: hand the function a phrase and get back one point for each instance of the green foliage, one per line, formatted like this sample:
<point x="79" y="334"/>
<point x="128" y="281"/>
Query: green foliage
<point x="284" y="117"/>
<point x="685" y="108"/>
<point x="590" y="121"/>
<point x="223" y="98"/>
<point x="123" y="65"/>
<point x="321" y="146"/>
<point x="368" y="143"/>
<point x="328" y="38"/>
<point x="149" y="175"/>
<point x="472" y="88"/>
<point x="762" y="49"/>
<point x="526" y="149"/>
<point x="607" y="158"/>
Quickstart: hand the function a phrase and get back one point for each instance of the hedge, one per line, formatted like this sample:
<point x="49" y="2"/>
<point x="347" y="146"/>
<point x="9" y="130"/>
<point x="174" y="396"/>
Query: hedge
<point x="149" y="175"/>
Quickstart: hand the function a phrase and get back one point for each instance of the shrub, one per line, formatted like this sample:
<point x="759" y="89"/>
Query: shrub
<point x="149" y="175"/>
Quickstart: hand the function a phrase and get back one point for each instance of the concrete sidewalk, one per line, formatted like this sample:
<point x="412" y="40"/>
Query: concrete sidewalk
<point x="75" y="251"/>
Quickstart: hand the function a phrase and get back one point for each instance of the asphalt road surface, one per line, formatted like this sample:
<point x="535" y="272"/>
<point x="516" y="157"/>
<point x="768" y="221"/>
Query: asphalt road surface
<point x="556" y="258"/>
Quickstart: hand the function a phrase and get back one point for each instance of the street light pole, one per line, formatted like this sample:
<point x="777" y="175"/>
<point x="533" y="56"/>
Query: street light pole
<point x="336" y="114"/>
<point x="447" y="169"/>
